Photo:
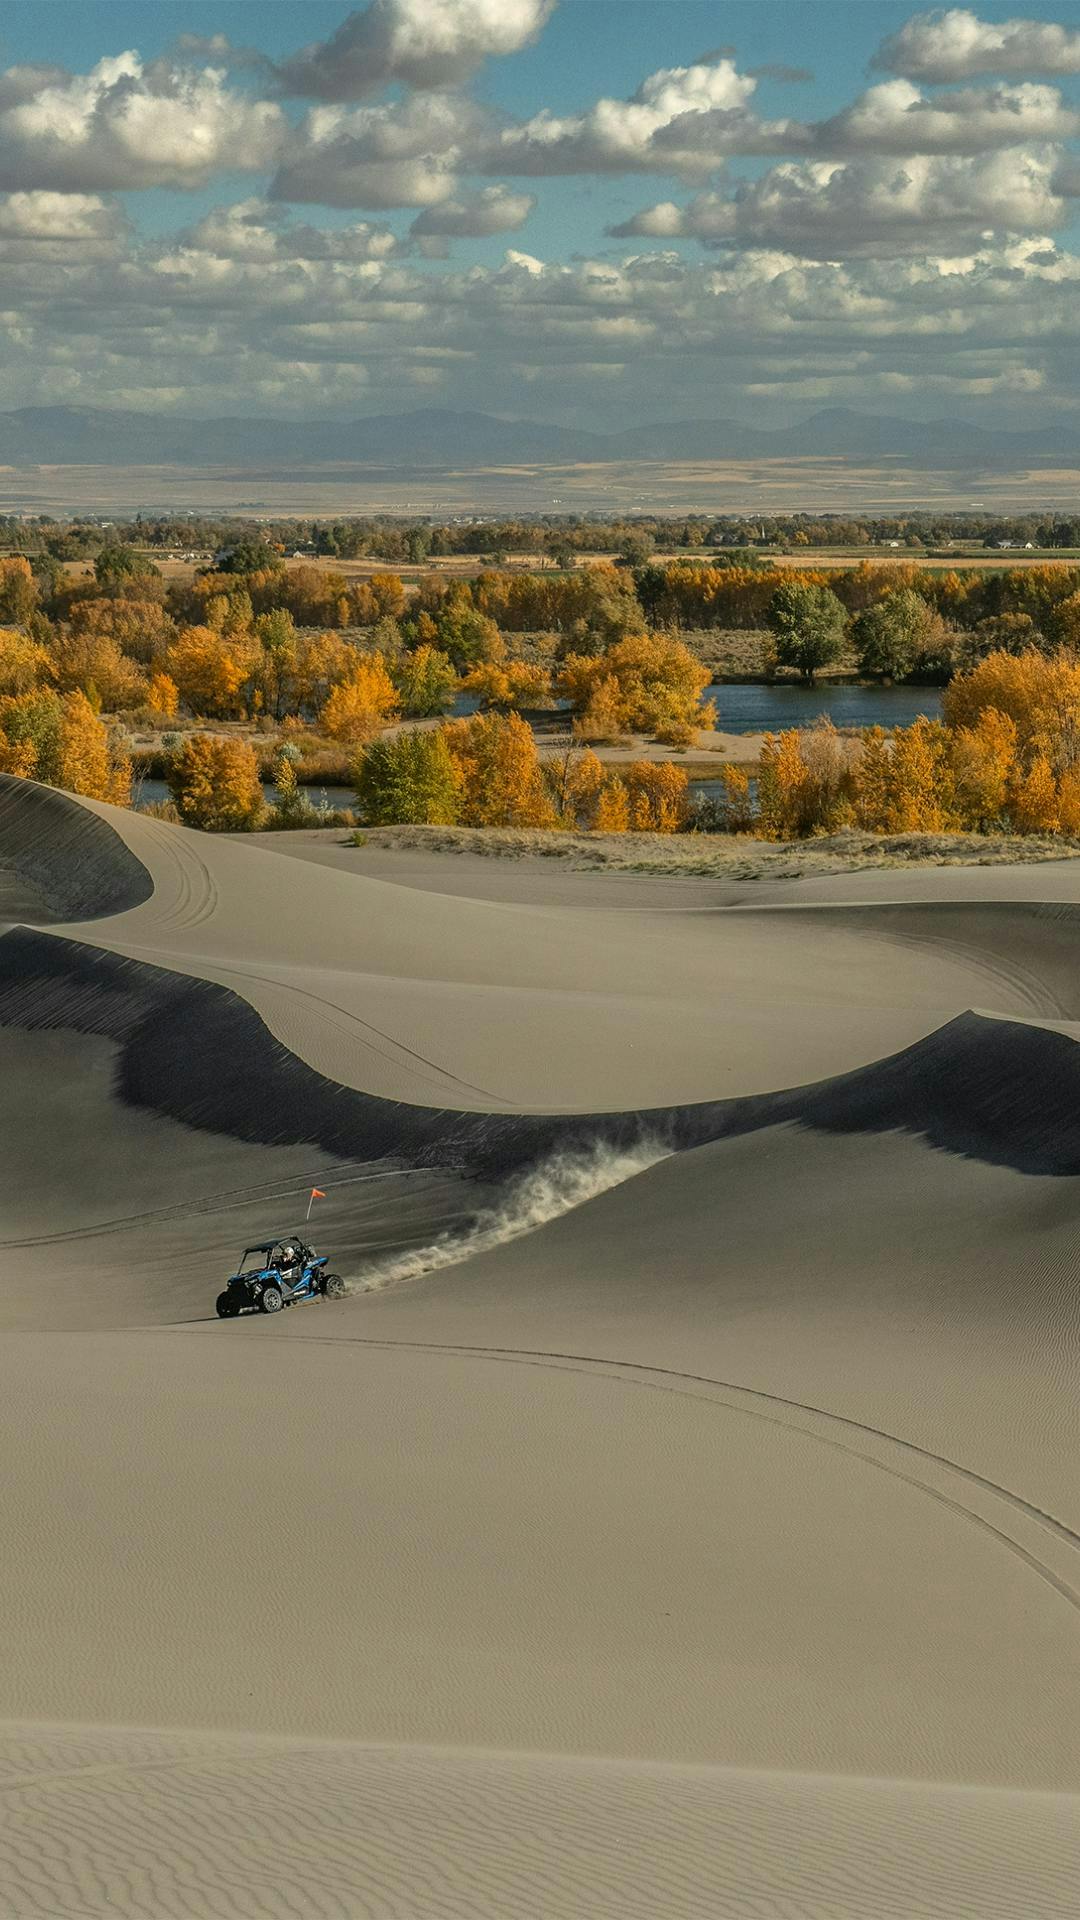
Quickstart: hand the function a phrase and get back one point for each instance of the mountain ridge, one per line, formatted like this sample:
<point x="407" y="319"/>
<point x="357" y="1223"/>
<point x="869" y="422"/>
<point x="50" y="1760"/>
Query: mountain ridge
<point x="435" y="437"/>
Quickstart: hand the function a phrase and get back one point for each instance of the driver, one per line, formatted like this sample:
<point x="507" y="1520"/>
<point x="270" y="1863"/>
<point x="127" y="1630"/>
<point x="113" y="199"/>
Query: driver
<point x="290" y="1264"/>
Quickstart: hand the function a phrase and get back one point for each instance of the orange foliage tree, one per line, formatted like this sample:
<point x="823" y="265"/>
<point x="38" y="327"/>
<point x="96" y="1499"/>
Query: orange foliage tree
<point x="215" y="784"/>
<point x="657" y="687"/>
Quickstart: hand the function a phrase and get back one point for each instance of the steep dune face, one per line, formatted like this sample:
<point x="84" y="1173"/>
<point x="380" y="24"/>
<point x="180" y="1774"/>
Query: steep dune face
<point x="76" y="864"/>
<point x="689" y="1476"/>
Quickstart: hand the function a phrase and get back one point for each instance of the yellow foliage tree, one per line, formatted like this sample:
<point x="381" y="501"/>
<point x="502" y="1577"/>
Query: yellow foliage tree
<point x="23" y="664"/>
<point x="501" y="778"/>
<point x="576" y="783"/>
<point x="612" y="807"/>
<point x="807" y="783"/>
<point x="1033" y="800"/>
<point x="359" y="707"/>
<point x="659" y="682"/>
<point x="211" y="669"/>
<point x="88" y="764"/>
<point x="658" y="794"/>
<point x="1040" y="696"/>
<point x="603" y="716"/>
<point x="215" y="784"/>
<point x="983" y="764"/>
<point x="503" y="683"/>
<point x="162" y="695"/>
<point x="919" y="786"/>
<point x="91" y="662"/>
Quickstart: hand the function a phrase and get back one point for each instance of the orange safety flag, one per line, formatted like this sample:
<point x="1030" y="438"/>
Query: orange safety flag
<point x="317" y="1193"/>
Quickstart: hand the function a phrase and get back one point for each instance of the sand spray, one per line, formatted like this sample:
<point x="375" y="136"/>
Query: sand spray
<point x="566" y="1179"/>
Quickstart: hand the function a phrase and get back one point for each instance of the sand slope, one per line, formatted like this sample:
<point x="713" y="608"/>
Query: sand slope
<point x="680" y="1514"/>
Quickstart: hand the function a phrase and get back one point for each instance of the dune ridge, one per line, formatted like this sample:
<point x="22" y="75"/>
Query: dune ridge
<point x="72" y="857"/>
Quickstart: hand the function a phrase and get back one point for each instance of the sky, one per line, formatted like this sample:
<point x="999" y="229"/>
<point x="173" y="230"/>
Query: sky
<point x="599" y="212"/>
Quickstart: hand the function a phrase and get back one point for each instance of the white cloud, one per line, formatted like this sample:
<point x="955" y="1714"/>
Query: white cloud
<point x="405" y="153"/>
<point x="618" y="136"/>
<point x="257" y="230"/>
<point x="956" y="45"/>
<point x="186" y="327"/>
<point x="126" y="125"/>
<point x="896" y="118"/>
<point x="830" y="210"/>
<point x="424" y="43"/>
<point x="475" y="215"/>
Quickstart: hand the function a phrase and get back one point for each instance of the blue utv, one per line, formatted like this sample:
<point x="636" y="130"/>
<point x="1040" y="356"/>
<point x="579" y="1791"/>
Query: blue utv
<point x="277" y="1274"/>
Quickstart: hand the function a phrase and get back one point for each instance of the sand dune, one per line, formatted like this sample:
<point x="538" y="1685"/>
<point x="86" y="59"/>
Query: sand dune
<point x="679" y="1515"/>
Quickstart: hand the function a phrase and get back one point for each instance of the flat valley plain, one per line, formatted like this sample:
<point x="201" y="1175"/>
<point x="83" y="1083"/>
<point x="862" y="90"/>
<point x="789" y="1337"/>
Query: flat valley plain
<point x="632" y="486"/>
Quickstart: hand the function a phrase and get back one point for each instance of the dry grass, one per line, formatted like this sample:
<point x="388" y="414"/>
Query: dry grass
<point x="729" y="857"/>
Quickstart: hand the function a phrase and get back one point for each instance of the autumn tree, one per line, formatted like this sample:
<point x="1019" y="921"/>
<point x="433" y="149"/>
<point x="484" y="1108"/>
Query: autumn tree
<point x="215" y="784"/>
<point x="358" y="708"/>
<point x="806" y="782"/>
<point x="140" y="628"/>
<point x="502" y="683"/>
<point x="1040" y="696"/>
<point x="905" y="784"/>
<point x="60" y="741"/>
<point x="162" y="696"/>
<point x="410" y="778"/>
<point x="983" y="766"/>
<point x="18" y="591"/>
<point x="90" y="662"/>
<point x="501" y="779"/>
<point x="658" y="796"/>
<point x="23" y="664"/>
<point x="808" y="622"/>
<point x="646" y="683"/>
<point x="211" y="671"/>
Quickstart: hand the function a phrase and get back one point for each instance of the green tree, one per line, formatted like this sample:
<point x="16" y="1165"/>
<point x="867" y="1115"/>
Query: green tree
<point x="426" y="682"/>
<point x="117" y="564"/>
<point x="808" y="622"/>
<point x="248" y="556"/>
<point x="466" y="635"/>
<point x="410" y="779"/>
<point x="897" y="635"/>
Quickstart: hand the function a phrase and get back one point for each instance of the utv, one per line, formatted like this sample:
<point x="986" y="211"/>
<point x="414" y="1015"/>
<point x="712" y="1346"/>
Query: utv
<point x="276" y="1274"/>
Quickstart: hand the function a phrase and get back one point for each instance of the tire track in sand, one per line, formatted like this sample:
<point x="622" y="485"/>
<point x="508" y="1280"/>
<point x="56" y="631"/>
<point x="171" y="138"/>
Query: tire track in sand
<point x="639" y="1373"/>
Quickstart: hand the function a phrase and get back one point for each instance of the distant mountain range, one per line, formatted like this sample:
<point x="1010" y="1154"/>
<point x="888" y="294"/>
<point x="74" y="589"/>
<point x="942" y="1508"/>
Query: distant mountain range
<point x="434" y="438"/>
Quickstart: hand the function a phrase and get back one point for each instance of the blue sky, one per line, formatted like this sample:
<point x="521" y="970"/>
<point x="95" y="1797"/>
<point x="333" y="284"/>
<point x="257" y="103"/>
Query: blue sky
<point x="604" y="211"/>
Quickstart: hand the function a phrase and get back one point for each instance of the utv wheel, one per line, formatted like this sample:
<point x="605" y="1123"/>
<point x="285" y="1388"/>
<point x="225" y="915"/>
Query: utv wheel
<point x="334" y="1286"/>
<point x="225" y="1308"/>
<point x="272" y="1301"/>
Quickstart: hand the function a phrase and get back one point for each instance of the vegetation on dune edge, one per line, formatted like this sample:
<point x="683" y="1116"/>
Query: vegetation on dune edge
<point x="727" y="857"/>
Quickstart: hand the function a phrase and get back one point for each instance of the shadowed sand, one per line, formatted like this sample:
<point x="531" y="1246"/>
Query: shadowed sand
<point x="680" y="1514"/>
